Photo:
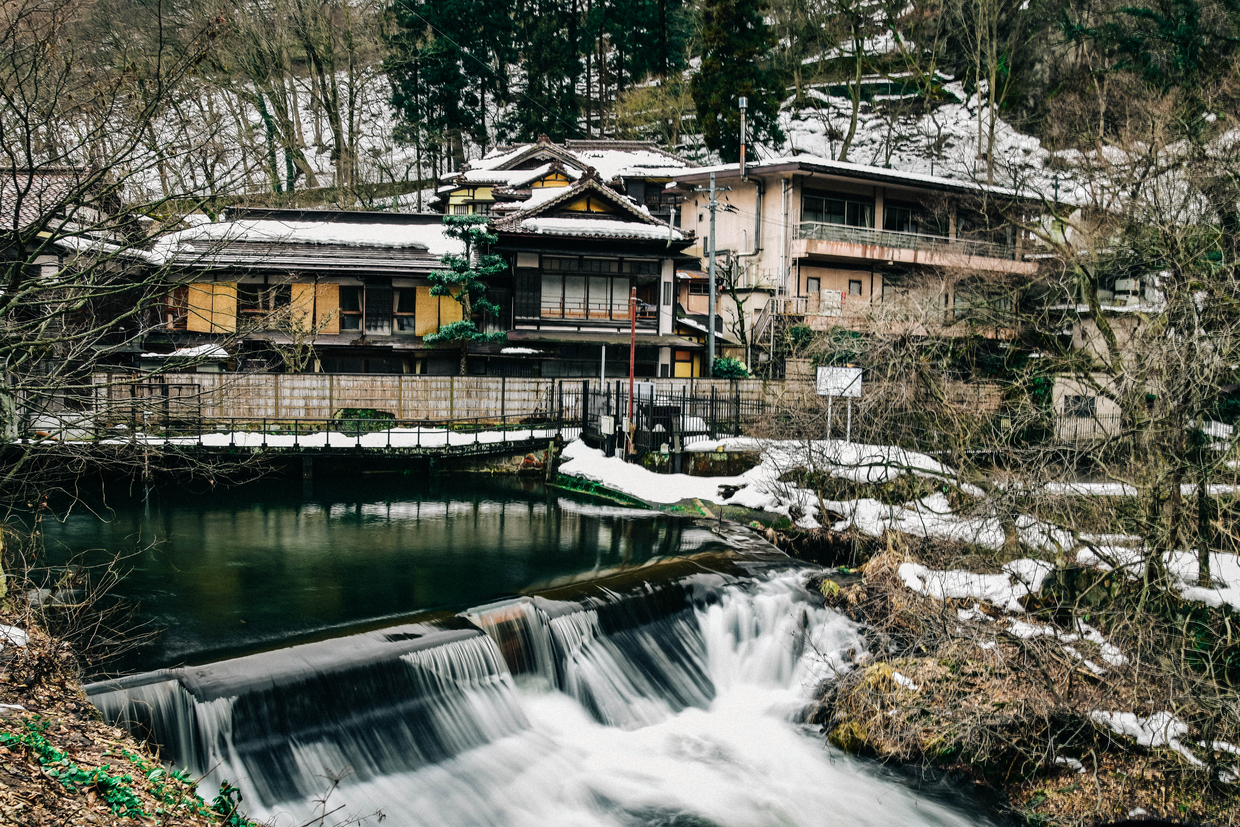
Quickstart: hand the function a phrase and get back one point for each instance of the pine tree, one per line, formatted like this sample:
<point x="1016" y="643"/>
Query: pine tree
<point x="447" y="59"/>
<point x="463" y="281"/>
<point x="737" y="44"/>
<point x="548" y="103"/>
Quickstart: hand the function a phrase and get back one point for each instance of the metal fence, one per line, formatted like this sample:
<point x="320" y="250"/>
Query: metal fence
<point x="661" y="420"/>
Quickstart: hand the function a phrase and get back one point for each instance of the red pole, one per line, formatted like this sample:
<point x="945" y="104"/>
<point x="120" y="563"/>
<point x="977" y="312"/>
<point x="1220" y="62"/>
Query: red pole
<point x="632" y="359"/>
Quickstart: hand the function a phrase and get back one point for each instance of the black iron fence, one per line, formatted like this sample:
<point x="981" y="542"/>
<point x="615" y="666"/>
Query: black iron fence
<point x="661" y="421"/>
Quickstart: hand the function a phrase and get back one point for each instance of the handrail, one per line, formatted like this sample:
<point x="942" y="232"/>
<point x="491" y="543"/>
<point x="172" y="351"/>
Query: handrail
<point x="820" y="231"/>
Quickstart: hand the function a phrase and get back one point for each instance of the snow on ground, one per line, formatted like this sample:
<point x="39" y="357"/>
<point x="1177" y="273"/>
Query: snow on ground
<point x="1181" y="565"/>
<point x="1020" y="578"/>
<point x="12" y="636"/>
<point x="760" y="488"/>
<point x="1162" y="729"/>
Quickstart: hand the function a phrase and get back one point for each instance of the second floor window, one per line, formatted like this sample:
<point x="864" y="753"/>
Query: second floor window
<point x="350" y="308"/>
<point x="261" y="299"/>
<point x="845" y="210"/>
<point x="405" y="310"/>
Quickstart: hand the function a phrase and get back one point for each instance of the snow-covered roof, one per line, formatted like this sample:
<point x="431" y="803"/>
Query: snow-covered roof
<point x="598" y="227"/>
<point x="198" y="352"/>
<point x="625" y="163"/>
<point x="611" y="159"/>
<point x="845" y="169"/>
<point x="428" y="237"/>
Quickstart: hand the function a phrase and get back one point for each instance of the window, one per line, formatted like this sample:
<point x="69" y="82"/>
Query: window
<point x="600" y="265"/>
<point x="1081" y="407"/>
<point x="851" y="212"/>
<point x="176" y="308"/>
<point x="642" y="268"/>
<point x="897" y="219"/>
<point x="561" y="264"/>
<point x="460" y="209"/>
<point x="667" y="292"/>
<point x="350" y="308"/>
<point x="260" y="299"/>
<point x="813" y="286"/>
<point x="404" y="313"/>
<point x="854" y="287"/>
<point x="699" y="288"/>
<point x="482" y="208"/>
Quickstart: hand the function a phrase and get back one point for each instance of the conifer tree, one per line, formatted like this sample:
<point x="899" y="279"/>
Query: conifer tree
<point x="737" y="43"/>
<point x="463" y="281"/>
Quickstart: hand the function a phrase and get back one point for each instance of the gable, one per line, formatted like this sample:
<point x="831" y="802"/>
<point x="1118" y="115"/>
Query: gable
<point x="590" y="202"/>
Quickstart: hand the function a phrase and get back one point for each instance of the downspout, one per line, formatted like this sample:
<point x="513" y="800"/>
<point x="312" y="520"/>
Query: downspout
<point x="781" y="286"/>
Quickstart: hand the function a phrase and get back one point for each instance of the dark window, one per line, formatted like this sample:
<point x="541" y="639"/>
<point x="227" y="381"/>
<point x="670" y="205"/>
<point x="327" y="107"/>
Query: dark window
<point x="378" y="309"/>
<point x="176" y="308"/>
<point x="528" y="294"/>
<point x="642" y="268"/>
<point x="260" y="299"/>
<point x="561" y="264"/>
<point x="406" y="306"/>
<point x="1079" y="406"/>
<point x="851" y="212"/>
<point x="599" y="265"/>
<point x="699" y="288"/>
<point x="854" y="287"/>
<point x="350" y="308"/>
<point x="898" y="219"/>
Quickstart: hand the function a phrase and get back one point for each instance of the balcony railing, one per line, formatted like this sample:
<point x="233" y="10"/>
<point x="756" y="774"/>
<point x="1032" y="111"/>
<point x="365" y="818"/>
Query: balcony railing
<point x="819" y="231"/>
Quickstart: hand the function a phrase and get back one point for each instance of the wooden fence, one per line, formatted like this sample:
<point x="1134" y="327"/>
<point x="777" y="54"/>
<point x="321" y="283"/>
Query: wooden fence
<point x="324" y="395"/>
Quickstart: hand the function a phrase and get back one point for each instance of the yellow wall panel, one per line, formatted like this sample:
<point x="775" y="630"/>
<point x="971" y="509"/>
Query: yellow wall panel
<point x="449" y="310"/>
<point x="426" y="312"/>
<point x="317" y="305"/>
<point x="200" y="299"/>
<point x="224" y="308"/>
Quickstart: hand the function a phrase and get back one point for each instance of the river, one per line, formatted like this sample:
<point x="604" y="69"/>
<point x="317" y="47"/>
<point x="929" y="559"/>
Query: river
<point x="470" y="651"/>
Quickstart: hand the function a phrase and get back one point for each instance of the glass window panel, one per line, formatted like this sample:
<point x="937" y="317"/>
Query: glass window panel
<point x="351" y="299"/>
<point x="620" y="298"/>
<point x="600" y="297"/>
<point x="405" y="300"/>
<point x="574" y="297"/>
<point x="552" y="291"/>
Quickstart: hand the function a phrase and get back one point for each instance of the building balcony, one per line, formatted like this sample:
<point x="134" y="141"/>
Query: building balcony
<point x="838" y="241"/>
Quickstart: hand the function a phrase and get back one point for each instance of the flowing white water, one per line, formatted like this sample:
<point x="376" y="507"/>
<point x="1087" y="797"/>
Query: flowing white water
<point x="685" y="719"/>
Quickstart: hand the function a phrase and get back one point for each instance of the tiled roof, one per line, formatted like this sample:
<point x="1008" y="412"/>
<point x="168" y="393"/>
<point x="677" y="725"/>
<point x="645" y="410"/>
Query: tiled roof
<point x="30" y="197"/>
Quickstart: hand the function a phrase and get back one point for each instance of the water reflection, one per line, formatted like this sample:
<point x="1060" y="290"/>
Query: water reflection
<point x="219" y="572"/>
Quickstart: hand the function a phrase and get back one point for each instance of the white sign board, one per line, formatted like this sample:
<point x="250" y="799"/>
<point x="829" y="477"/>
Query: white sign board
<point x="607" y="424"/>
<point x="839" y="382"/>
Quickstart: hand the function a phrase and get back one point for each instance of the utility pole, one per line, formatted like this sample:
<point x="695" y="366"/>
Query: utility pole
<point x="710" y="290"/>
<point x="710" y="302"/>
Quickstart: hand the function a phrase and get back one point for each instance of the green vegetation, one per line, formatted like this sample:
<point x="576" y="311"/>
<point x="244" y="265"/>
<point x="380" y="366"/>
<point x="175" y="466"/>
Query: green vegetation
<point x="174" y="790"/>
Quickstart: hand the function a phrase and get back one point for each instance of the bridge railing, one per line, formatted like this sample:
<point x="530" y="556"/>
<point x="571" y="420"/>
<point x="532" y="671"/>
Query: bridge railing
<point x="311" y="434"/>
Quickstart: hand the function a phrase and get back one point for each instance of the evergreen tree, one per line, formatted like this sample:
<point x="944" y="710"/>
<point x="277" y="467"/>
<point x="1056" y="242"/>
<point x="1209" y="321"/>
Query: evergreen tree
<point x="448" y="59"/>
<point x="551" y="65"/>
<point x="737" y="43"/>
<point x="463" y="281"/>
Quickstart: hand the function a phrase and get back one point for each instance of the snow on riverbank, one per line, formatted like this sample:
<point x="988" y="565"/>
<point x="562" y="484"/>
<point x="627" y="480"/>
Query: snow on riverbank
<point x="760" y="489"/>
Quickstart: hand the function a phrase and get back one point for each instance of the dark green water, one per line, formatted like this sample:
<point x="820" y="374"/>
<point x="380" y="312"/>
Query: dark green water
<point x="219" y="572"/>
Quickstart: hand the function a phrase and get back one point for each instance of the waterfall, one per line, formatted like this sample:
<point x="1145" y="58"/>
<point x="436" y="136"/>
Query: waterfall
<point x="662" y="704"/>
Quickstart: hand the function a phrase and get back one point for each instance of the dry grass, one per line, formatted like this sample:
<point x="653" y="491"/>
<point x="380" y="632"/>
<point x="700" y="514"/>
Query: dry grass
<point x="969" y="696"/>
<point x="55" y="741"/>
